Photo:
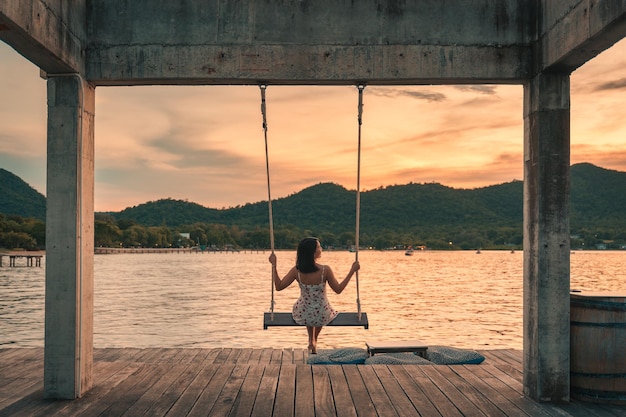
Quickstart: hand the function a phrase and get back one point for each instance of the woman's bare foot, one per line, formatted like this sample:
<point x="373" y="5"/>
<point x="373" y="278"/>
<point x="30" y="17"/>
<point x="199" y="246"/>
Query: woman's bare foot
<point x="312" y="349"/>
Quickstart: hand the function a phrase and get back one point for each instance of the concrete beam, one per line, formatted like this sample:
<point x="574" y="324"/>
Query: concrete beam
<point x="321" y="42"/>
<point x="308" y="64"/>
<point x="68" y="351"/>
<point x="547" y="238"/>
<point x="49" y="33"/>
<point x="575" y="33"/>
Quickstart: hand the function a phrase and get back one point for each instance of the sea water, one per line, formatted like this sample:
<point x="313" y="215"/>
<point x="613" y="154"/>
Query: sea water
<point x="455" y="298"/>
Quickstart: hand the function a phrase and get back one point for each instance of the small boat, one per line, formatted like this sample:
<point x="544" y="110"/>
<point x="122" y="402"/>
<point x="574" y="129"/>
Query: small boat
<point x="409" y="252"/>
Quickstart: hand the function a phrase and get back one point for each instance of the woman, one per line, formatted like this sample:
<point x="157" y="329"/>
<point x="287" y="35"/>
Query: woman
<point x="312" y="308"/>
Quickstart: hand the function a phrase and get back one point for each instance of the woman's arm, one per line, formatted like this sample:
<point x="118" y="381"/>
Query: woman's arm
<point x="281" y="284"/>
<point x="337" y="286"/>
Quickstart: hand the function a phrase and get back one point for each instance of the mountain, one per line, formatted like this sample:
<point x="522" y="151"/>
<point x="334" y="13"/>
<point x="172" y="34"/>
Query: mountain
<point x="20" y="199"/>
<point x="167" y="212"/>
<point x="598" y="198"/>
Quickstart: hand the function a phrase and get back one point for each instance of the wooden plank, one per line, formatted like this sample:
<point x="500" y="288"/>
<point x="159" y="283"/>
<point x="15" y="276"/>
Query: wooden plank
<point x="382" y="402"/>
<point x="227" y="396"/>
<point x="186" y="355"/>
<point x="109" y="378"/>
<point x="117" y="401"/>
<point x="341" y="392"/>
<point x="264" y="401"/>
<point x="244" y="402"/>
<point x="28" y="404"/>
<point x="105" y="354"/>
<point x="300" y="355"/>
<point x="199" y="357"/>
<point x="17" y="373"/>
<point x="277" y="356"/>
<point x="514" y="389"/>
<point x="517" y="355"/>
<point x="491" y="358"/>
<point x="283" y="319"/>
<point x="244" y="357"/>
<point x="126" y="385"/>
<point x="166" y="355"/>
<point x="110" y="373"/>
<point x="456" y="396"/>
<point x="213" y="353"/>
<point x="255" y="355"/>
<point x="481" y="375"/>
<point x="147" y="355"/>
<point x="128" y="354"/>
<point x="186" y="400"/>
<point x="233" y="356"/>
<point x="287" y="356"/>
<point x="12" y="355"/>
<point x="507" y="362"/>
<point x="419" y="399"/>
<point x="22" y="358"/>
<point x="304" y="401"/>
<point x="222" y="356"/>
<point x="211" y="391"/>
<point x="164" y="393"/>
<point x="514" y="383"/>
<point x="358" y="391"/>
<point x="322" y="392"/>
<point x="443" y="404"/>
<point x="477" y="397"/>
<point x="266" y="356"/>
<point x="395" y="392"/>
<point x="26" y="380"/>
<point x="582" y="409"/>
<point x="284" y="404"/>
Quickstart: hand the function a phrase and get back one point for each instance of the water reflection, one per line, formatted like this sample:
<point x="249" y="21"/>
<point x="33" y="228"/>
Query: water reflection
<point x="459" y="299"/>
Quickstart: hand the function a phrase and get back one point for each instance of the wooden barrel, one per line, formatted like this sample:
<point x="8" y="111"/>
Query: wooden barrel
<point x="598" y="347"/>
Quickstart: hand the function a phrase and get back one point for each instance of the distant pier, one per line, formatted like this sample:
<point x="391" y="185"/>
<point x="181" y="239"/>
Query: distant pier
<point x="31" y="259"/>
<point x="104" y="251"/>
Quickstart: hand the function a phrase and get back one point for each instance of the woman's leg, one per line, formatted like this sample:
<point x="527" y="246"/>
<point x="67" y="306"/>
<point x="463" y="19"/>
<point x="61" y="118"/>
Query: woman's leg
<point x="316" y="333"/>
<point x="311" y="332"/>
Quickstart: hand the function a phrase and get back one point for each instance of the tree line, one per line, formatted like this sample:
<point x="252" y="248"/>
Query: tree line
<point x="126" y="233"/>
<point x="17" y="232"/>
<point x="430" y="215"/>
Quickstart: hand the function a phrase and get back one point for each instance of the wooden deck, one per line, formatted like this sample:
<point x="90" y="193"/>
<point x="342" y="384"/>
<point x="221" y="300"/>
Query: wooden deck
<point x="270" y="382"/>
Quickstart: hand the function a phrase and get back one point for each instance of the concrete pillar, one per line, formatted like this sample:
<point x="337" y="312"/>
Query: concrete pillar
<point x="68" y="353"/>
<point x="546" y="237"/>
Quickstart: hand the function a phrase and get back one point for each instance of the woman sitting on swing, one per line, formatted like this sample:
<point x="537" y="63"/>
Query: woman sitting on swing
<point x="312" y="308"/>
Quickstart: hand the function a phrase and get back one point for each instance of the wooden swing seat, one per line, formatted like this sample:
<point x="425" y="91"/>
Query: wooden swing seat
<point x="342" y="319"/>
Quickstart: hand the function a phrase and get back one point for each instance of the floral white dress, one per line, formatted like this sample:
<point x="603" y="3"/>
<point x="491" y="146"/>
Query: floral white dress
<point x="313" y="308"/>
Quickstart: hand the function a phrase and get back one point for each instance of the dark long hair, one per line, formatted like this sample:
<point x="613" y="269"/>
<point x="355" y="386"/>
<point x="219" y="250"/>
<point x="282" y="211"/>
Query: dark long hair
<point x="305" y="259"/>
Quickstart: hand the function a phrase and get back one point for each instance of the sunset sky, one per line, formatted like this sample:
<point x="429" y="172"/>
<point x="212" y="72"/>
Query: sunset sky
<point x="205" y="144"/>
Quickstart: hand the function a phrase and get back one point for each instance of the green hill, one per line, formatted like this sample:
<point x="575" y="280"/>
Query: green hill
<point x="167" y="212"/>
<point x="598" y="198"/>
<point x="20" y="199"/>
<point x="430" y="213"/>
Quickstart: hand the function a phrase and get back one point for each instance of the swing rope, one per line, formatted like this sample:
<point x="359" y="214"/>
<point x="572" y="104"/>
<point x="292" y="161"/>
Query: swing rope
<point x="263" y="87"/>
<point x="346" y="320"/>
<point x="361" y="87"/>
